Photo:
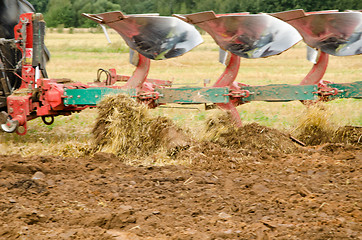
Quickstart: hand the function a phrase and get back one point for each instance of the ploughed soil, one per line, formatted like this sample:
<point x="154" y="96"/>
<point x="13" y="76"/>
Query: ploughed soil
<point x="222" y="193"/>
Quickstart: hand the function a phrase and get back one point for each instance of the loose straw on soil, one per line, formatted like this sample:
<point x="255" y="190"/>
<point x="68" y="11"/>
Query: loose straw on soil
<point x="316" y="126"/>
<point x="124" y="127"/>
<point x="250" y="137"/>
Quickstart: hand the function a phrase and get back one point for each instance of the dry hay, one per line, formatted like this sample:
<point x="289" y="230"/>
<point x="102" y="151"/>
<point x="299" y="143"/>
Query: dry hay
<point x="349" y="135"/>
<point x="250" y="137"/>
<point x="66" y="149"/>
<point x="316" y="126"/>
<point x="124" y="127"/>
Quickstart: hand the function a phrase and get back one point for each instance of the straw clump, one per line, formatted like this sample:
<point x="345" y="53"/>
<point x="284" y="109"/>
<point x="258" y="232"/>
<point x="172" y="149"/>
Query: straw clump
<point x="349" y="135"/>
<point x="315" y="126"/>
<point x="250" y="137"/>
<point x="124" y="127"/>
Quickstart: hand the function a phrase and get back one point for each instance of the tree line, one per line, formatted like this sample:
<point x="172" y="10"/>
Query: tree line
<point x="68" y="12"/>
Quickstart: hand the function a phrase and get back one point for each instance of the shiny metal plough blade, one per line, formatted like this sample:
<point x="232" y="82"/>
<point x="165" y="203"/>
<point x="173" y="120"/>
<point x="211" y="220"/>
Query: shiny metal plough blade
<point x="153" y="36"/>
<point x="246" y="35"/>
<point x="335" y="33"/>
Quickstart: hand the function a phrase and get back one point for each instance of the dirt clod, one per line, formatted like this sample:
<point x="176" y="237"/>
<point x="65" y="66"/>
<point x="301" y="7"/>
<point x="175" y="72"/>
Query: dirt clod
<point x="38" y="175"/>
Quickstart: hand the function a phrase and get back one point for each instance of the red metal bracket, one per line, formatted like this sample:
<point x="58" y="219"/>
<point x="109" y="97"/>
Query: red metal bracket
<point x="229" y="75"/>
<point x="227" y="79"/>
<point x="23" y="31"/>
<point x="140" y="74"/>
<point x="19" y="108"/>
<point x="324" y="90"/>
<point x="317" y="72"/>
<point x="239" y="94"/>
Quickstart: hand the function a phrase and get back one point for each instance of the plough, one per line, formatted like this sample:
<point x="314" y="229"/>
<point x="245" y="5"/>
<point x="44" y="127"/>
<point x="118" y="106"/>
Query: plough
<point x="153" y="37"/>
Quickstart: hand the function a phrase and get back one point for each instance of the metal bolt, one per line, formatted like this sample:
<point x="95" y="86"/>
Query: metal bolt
<point x="296" y="92"/>
<point x="305" y="92"/>
<point x="216" y="95"/>
<point x="96" y="96"/>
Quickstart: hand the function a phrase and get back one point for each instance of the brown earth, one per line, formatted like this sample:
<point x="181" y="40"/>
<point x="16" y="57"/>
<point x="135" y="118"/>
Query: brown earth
<point x="224" y="193"/>
<point x="239" y="183"/>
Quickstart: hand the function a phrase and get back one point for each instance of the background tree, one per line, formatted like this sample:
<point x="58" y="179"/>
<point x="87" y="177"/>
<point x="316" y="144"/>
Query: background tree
<point x="59" y="12"/>
<point x="40" y="5"/>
